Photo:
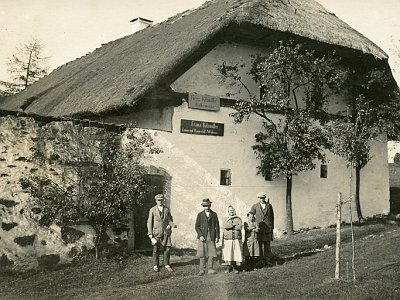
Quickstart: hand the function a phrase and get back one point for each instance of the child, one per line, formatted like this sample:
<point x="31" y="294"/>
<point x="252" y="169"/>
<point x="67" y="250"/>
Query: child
<point x="251" y="249"/>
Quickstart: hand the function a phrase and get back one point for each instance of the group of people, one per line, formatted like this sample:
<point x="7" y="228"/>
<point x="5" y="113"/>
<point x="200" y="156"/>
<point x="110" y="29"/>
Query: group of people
<point x="254" y="251"/>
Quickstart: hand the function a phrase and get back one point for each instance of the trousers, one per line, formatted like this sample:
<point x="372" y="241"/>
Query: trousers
<point x="156" y="254"/>
<point x="203" y="263"/>
<point x="265" y="250"/>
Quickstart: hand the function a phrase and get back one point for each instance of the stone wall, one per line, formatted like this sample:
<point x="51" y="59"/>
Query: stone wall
<point x="23" y="243"/>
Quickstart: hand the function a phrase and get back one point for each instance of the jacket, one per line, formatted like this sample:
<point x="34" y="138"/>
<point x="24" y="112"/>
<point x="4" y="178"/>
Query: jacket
<point x="204" y="226"/>
<point x="251" y="246"/>
<point x="157" y="225"/>
<point x="265" y="221"/>
<point x="233" y="228"/>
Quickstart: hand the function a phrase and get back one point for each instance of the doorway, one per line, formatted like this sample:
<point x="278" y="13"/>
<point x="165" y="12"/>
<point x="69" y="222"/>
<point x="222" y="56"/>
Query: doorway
<point x="142" y="241"/>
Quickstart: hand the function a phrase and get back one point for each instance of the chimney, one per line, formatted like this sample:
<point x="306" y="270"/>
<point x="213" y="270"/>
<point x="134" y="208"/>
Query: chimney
<point x="139" y="24"/>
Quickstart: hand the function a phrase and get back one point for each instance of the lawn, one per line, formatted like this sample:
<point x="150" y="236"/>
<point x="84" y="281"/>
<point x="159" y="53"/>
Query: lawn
<point x="305" y="273"/>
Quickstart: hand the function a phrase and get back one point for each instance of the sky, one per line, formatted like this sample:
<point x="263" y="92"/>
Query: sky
<point x="71" y="28"/>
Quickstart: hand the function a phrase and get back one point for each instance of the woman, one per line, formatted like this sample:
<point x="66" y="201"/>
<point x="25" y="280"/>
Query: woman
<point x="232" y="241"/>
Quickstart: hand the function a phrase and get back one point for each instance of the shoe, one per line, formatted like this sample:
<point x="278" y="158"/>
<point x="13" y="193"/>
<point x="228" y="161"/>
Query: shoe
<point x="236" y="271"/>
<point x="168" y="267"/>
<point x="211" y="271"/>
<point x="156" y="269"/>
<point x="201" y="273"/>
<point x="227" y="271"/>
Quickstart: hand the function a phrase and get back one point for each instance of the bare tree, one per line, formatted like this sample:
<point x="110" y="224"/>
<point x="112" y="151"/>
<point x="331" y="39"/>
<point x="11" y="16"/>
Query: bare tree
<point x="28" y="64"/>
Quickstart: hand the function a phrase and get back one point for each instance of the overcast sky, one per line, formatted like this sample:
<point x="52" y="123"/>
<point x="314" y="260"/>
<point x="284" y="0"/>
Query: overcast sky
<point x="72" y="28"/>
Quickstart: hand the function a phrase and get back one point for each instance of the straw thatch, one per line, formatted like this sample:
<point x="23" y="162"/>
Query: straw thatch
<point x="118" y="74"/>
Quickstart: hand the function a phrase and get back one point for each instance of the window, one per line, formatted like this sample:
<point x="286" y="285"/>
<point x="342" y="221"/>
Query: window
<point x="225" y="178"/>
<point x="268" y="177"/>
<point x="324" y="171"/>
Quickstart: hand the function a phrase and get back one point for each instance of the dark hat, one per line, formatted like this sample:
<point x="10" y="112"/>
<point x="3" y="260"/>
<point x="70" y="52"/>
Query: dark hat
<point x="159" y="197"/>
<point x="206" y="202"/>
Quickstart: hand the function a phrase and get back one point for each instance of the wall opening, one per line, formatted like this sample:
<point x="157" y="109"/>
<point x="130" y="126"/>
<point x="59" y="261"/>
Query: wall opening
<point x="225" y="177"/>
<point x="160" y="183"/>
<point x="324" y="171"/>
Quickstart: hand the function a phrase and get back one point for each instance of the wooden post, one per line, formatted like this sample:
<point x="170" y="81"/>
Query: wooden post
<point x="353" y="257"/>
<point x="353" y="267"/>
<point x="338" y="224"/>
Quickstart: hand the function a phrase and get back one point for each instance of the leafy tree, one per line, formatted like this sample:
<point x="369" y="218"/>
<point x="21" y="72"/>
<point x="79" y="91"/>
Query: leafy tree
<point x="27" y="65"/>
<point x="97" y="186"/>
<point x="373" y="112"/>
<point x="294" y="86"/>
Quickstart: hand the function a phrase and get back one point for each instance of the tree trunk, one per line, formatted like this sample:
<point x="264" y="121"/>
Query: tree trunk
<point x="131" y="230"/>
<point x="357" y="196"/>
<point x="289" y="215"/>
<point x="97" y="241"/>
<point x="28" y="68"/>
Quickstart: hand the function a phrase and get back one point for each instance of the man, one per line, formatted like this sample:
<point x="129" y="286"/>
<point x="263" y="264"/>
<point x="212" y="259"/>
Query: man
<point x="207" y="229"/>
<point x="264" y="215"/>
<point x="159" y="226"/>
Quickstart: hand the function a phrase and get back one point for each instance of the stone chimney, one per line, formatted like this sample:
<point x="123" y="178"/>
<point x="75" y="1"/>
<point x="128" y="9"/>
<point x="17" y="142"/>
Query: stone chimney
<point x="139" y="24"/>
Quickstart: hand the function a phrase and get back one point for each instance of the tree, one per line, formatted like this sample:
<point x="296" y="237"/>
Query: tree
<point x="373" y="113"/>
<point x="294" y="86"/>
<point x="27" y="65"/>
<point x="98" y="186"/>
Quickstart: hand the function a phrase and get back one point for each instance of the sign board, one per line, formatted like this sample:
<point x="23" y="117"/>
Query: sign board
<point x="205" y="102"/>
<point x="201" y="127"/>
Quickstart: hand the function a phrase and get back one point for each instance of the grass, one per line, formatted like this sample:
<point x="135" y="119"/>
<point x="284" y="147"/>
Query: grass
<point x="308" y="277"/>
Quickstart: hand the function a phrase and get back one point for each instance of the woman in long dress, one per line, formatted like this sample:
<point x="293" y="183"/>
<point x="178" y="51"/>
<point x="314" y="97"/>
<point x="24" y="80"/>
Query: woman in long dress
<point x="232" y="241"/>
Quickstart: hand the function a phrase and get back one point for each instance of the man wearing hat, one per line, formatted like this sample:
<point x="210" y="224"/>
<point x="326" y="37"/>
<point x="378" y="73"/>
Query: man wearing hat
<point x="207" y="229"/>
<point x="159" y="226"/>
<point x="264" y="215"/>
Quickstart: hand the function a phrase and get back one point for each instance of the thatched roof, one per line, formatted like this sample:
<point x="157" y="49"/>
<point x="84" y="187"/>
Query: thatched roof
<point x="118" y="74"/>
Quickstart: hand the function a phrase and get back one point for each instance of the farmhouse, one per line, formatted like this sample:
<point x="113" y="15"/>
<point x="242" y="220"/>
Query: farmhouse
<point x="165" y="79"/>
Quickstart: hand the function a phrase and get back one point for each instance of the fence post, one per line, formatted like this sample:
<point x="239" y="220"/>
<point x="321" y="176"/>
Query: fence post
<point x="338" y="224"/>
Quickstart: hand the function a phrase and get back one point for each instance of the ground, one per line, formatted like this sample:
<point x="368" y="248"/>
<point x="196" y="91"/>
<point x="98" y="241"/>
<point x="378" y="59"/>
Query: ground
<point x="303" y="273"/>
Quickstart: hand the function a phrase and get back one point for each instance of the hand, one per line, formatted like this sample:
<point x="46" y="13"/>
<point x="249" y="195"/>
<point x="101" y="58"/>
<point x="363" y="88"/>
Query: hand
<point x="168" y="227"/>
<point x="216" y="241"/>
<point x="202" y="239"/>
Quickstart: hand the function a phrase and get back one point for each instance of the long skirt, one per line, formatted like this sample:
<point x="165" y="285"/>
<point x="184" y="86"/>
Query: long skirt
<point x="232" y="250"/>
<point x="206" y="248"/>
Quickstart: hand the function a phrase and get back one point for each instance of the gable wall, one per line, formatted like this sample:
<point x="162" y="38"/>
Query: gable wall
<point x="204" y="77"/>
<point x="194" y="161"/>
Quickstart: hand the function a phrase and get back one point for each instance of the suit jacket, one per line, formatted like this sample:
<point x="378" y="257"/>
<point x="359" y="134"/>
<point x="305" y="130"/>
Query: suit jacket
<point x="203" y="226"/>
<point x="156" y="225"/>
<point x="265" y="220"/>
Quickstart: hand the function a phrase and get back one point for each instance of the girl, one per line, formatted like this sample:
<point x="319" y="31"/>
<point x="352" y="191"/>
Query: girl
<point x="251" y="248"/>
